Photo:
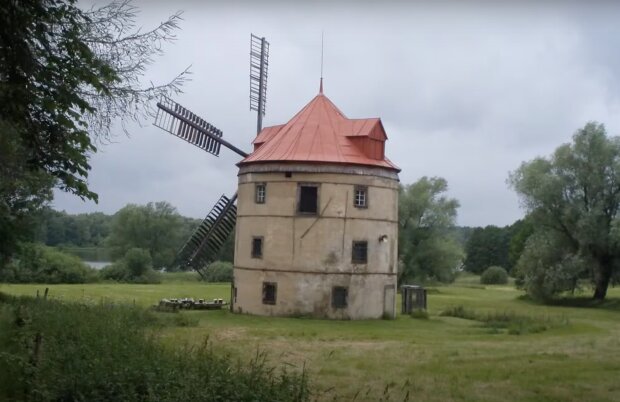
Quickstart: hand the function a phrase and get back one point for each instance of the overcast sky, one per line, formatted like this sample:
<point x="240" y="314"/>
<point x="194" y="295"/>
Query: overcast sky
<point x="465" y="90"/>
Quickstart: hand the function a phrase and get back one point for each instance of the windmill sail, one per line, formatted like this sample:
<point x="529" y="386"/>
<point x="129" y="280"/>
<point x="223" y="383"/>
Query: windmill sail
<point x="179" y="121"/>
<point x="204" y="245"/>
<point x="180" y="124"/>
<point x="259" y="66"/>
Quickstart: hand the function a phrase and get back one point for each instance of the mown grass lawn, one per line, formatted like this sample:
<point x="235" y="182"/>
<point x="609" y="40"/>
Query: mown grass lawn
<point x="439" y="359"/>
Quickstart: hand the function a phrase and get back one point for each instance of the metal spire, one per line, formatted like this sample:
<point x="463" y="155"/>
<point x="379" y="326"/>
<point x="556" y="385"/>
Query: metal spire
<point x="321" y="85"/>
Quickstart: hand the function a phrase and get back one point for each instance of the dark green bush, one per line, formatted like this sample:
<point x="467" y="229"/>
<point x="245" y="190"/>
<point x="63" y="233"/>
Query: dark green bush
<point x="114" y="272"/>
<point x="41" y="264"/>
<point x="137" y="261"/>
<point x="494" y="276"/>
<point x="54" y="351"/>
<point x="219" y="271"/>
<point x="135" y="267"/>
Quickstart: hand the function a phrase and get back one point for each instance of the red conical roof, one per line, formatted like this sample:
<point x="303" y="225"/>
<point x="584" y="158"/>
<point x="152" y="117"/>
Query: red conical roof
<point x="321" y="133"/>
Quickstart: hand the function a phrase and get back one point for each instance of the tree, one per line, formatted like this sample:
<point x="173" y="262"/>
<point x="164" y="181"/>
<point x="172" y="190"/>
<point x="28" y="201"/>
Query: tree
<point x="155" y="227"/>
<point x="66" y="75"/>
<point x="573" y="199"/>
<point x="487" y="247"/>
<point x="520" y="231"/>
<point x="22" y="194"/>
<point x="427" y="250"/>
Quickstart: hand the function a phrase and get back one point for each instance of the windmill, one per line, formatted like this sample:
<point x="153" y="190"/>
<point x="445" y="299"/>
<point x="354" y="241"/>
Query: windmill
<point x="202" y="248"/>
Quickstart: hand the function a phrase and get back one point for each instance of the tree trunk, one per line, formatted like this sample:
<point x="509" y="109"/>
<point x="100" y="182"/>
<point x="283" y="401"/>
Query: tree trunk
<point x="602" y="276"/>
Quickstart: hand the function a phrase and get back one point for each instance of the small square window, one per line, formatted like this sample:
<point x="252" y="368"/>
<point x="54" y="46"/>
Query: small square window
<point x="260" y="193"/>
<point x="308" y="199"/>
<point x="360" y="197"/>
<point x="340" y="295"/>
<point x="257" y="247"/>
<point x="359" y="252"/>
<point x="270" y="291"/>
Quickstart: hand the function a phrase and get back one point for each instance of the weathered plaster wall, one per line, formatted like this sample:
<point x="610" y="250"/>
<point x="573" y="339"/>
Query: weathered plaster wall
<point x="307" y="255"/>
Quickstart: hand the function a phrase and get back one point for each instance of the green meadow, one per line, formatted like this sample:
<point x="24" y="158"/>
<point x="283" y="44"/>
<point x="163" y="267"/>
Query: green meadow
<point x="493" y="345"/>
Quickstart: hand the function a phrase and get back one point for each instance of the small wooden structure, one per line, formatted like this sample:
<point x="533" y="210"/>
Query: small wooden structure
<point x="413" y="298"/>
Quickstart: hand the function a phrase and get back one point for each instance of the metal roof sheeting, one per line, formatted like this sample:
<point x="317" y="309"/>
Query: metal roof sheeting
<point x="321" y="133"/>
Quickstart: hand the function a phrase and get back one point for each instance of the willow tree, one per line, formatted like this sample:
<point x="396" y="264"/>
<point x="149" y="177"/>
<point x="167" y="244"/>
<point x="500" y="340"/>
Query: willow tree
<point x="573" y="197"/>
<point x="427" y="249"/>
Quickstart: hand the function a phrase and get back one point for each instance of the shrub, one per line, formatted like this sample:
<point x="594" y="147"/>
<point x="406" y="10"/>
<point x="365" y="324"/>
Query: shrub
<point x="494" y="276"/>
<point x="114" y="272"/>
<point x="219" y="271"/>
<point x="41" y="264"/>
<point x="135" y="267"/>
<point x="546" y="269"/>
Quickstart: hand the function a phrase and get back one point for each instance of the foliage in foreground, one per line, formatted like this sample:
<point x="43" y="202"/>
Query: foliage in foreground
<point x="66" y="77"/>
<point x="76" y="352"/>
<point x="36" y="263"/>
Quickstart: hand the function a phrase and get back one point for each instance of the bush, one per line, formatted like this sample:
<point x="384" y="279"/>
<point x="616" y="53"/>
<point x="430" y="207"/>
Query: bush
<point x="53" y="351"/>
<point x="135" y="267"/>
<point x="137" y="261"/>
<point x="494" y="276"/>
<point x="219" y="271"/>
<point x="547" y="268"/>
<point x="41" y="264"/>
<point x="115" y="272"/>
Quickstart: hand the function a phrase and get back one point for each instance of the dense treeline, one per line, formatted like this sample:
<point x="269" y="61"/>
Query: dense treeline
<point x="58" y="228"/>
<point x="496" y="246"/>
<point x="139" y="239"/>
<point x="432" y="248"/>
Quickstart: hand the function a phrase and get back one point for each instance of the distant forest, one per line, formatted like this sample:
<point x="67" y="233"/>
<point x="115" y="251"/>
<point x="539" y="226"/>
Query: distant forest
<point x="58" y="228"/>
<point x="88" y="236"/>
<point x="98" y="237"/>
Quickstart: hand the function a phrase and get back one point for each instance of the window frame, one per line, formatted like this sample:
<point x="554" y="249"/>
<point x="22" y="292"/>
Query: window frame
<point x="318" y="198"/>
<point x="365" y="190"/>
<point x="257" y="188"/>
<point x="275" y="292"/>
<point x="355" y="260"/>
<point x="335" y="300"/>
<point x="262" y="247"/>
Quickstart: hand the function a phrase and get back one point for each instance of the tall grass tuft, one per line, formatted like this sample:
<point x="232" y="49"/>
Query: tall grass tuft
<point x="76" y="352"/>
<point x="514" y="324"/>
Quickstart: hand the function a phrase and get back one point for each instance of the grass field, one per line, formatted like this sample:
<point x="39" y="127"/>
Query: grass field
<point x="573" y="355"/>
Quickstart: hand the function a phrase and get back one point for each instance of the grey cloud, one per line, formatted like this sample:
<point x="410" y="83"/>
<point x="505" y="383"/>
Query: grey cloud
<point x="465" y="91"/>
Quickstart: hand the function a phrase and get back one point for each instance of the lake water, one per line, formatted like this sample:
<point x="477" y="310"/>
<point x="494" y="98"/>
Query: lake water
<point x="97" y="264"/>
